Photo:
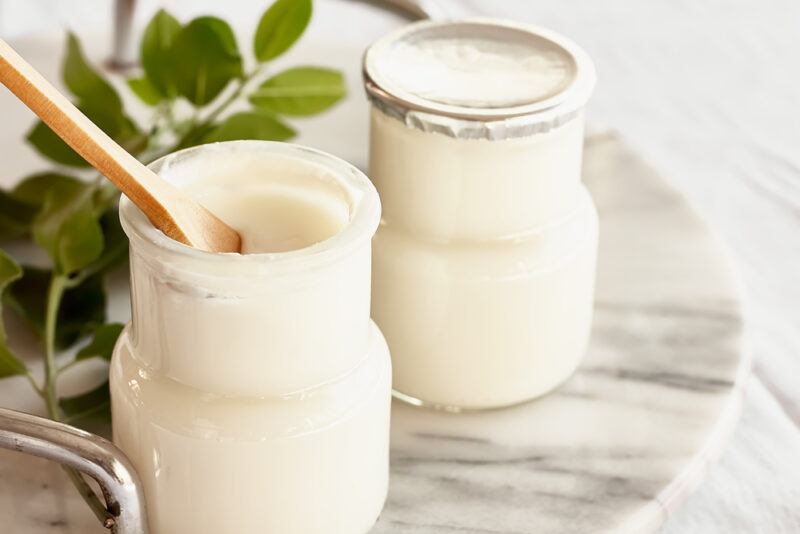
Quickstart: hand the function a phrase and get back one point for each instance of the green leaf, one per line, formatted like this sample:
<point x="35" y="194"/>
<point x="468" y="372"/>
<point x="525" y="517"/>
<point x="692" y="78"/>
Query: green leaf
<point x="33" y="189"/>
<point x="49" y="145"/>
<point x="97" y="99"/>
<point x="84" y="82"/>
<point x="67" y="227"/>
<point x="94" y="404"/>
<point x="156" y="56"/>
<point x="105" y="197"/>
<point x="82" y="307"/>
<point x="19" y="206"/>
<point x="112" y="122"/>
<point x="131" y="139"/>
<point x="250" y="125"/>
<point x="60" y="201"/>
<point x="282" y="24"/>
<point x="117" y="125"/>
<point x="80" y="241"/>
<point x="145" y="90"/>
<point x="16" y="216"/>
<point x="9" y="270"/>
<point x="102" y="343"/>
<point x="300" y="91"/>
<point x="196" y="135"/>
<point x="115" y="249"/>
<point x="27" y="296"/>
<point x="205" y="59"/>
<point x="10" y="364"/>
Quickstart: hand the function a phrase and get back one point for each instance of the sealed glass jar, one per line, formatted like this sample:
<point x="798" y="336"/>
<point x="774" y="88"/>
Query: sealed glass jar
<point x="252" y="392"/>
<point x="483" y="266"/>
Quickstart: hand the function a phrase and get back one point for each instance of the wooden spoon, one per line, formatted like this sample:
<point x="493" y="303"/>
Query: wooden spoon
<point x="168" y="208"/>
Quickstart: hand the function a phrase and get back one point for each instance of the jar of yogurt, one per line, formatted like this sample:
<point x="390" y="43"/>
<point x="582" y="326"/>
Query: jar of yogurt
<point x="484" y="262"/>
<point x="252" y="392"/>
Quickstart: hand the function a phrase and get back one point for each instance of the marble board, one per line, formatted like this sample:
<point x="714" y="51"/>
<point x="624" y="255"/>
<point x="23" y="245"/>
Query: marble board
<point x="632" y="433"/>
<point x="613" y="450"/>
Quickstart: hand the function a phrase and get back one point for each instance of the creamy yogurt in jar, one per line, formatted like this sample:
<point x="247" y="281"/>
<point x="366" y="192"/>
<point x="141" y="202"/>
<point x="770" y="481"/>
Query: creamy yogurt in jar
<point x="252" y="392"/>
<point x="483" y="266"/>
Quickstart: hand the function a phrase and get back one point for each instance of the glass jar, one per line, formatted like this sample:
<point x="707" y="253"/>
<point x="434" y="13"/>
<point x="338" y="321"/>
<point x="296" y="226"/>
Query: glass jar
<point x="483" y="265"/>
<point x="252" y="392"/>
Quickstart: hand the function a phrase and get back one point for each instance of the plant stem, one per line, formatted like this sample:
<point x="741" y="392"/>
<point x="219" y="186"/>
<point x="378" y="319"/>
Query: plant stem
<point x="222" y="106"/>
<point x="90" y="497"/>
<point x="211" y="117"/>
<point x="68" y="366"/>
<point x="106" y="260"/>
<point x="39" y="391"/>
<point x="55" y="292"/>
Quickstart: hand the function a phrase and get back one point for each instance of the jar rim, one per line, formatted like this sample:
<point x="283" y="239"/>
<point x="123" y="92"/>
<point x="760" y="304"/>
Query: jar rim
<point x="361" y="225"/>
<point x="458" y="120"/>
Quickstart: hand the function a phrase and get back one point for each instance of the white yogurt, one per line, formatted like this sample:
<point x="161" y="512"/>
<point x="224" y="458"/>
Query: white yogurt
<point x="483" y="266"/>
<point x="474" y="71"/>
<point x="251" y="392"/>
<point x="440" y="187"/>
<point x="485" y="324"/>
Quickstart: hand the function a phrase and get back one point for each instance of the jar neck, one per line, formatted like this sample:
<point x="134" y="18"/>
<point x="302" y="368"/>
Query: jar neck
<point x="260" y="324"/>
<point x="268" y="336"/>
<point x="447" y="189"/>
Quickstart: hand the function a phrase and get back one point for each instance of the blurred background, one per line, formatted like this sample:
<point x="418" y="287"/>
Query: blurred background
<point x="708" y="91"/>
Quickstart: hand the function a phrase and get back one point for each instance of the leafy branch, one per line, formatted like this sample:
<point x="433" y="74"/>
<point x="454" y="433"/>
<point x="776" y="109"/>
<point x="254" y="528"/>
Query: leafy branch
<point x="75" y="221"/>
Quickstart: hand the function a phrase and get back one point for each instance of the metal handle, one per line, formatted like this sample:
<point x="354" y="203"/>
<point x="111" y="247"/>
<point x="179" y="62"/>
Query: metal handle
<point x="92" y="455"/>
<point x="414" y="9"/>
<point x="123" y="55"/>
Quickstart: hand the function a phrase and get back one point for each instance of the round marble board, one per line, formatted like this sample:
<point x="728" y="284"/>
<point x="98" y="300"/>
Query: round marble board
<point x="613" y="450"/>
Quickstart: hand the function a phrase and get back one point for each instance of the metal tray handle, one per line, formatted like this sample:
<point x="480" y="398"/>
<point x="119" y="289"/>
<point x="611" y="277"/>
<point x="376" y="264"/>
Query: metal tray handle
<point x="92" y="455"/>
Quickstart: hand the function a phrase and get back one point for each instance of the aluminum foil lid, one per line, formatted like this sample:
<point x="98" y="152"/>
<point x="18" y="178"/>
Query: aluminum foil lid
<point x="478" y="78"/>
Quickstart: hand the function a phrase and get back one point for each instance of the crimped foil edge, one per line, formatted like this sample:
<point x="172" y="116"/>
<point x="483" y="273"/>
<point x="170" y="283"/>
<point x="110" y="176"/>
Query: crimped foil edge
<point x="492" y="130"/>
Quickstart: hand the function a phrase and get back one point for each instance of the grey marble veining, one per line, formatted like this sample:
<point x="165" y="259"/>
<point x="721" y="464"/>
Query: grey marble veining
<point x="613" y="450"/>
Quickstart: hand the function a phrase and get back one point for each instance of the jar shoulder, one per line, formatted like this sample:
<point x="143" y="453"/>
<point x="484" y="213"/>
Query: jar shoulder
<point x="140" y="392"/>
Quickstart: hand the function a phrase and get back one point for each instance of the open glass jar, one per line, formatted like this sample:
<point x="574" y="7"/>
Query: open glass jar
<point x="483" y="266"/>
<point x="252" y="392"/>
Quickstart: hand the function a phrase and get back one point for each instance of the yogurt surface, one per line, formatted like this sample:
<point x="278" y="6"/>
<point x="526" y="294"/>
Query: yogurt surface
<point x="472" y="65"/>
<point x="475" y="72"/>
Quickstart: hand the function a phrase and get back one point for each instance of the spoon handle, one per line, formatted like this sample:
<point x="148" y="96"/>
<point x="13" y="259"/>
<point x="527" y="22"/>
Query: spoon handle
<point x="168" y="208"/>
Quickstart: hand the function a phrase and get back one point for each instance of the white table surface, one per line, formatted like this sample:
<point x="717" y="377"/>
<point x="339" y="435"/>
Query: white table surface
<point x="709" y="92"/>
